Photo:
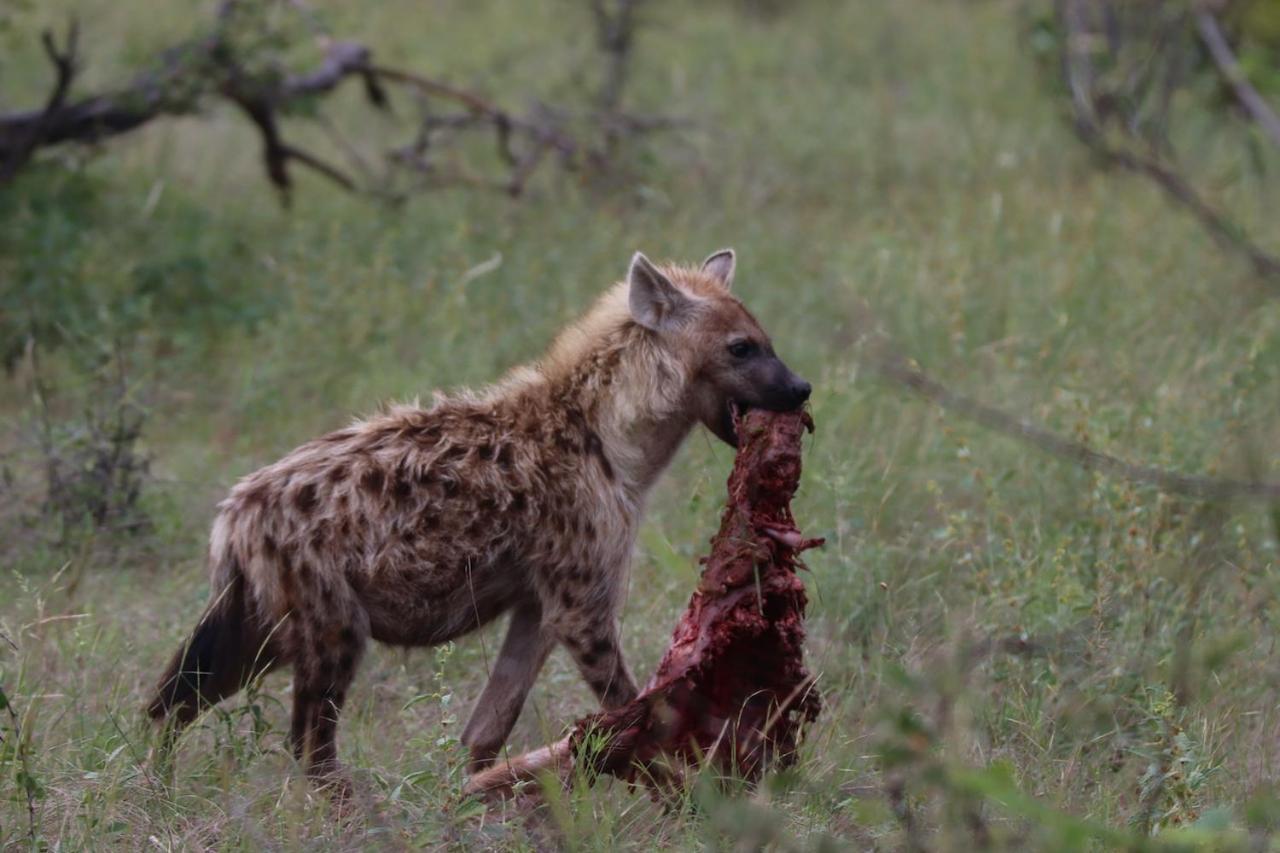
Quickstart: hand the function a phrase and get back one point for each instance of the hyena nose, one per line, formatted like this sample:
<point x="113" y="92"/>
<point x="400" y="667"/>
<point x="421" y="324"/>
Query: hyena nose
<point x="800" y="391"/>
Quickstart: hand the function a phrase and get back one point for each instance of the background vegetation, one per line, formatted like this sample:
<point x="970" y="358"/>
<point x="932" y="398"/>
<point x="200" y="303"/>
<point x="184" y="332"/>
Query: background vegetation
<point x="1014" y="651"/>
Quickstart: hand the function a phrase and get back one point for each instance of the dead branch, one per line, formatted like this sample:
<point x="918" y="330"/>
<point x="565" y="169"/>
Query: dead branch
<point x="892" y="365"/>
<point x="64" y="66"/>
<point x="1223" y="57"/>
<point x="732" y="690"/>
<point x="1224" y="232"/>
<point x="209" y="66"/>
<point x="165" y="90"/>
<point x="1096" y="107"/>
<point x="615" y="37"/>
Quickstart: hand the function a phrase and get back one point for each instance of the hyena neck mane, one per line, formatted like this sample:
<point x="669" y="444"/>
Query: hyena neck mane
<point x="628" y="389"/>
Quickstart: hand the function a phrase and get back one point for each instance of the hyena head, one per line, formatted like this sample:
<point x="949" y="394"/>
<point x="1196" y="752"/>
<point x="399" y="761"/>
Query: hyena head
<point x="726" y="355"/>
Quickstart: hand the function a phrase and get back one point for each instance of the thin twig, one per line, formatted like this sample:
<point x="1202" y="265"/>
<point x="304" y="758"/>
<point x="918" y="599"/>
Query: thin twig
<point x="1257" y="107"/>
<point x="1225" y="232"/>
<point x="1091" y="105"/>
<point x="895" y="367"/>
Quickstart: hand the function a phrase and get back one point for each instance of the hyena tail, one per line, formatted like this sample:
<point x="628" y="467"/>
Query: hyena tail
<point x="227" y="649"/>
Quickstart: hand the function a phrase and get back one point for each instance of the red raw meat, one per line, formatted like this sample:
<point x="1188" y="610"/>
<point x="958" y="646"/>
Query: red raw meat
<point x="732" y="689"/>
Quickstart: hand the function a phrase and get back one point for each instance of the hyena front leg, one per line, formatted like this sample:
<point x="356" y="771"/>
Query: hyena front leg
<point x="590" y="633"/>
<point x="523" y="653"/>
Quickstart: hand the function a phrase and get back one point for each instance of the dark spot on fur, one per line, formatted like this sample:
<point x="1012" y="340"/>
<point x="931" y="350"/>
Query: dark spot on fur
<point x="304" y="572"/>
<point x="518" y="502"/>
<point x="503" y="457"/>
<point x="373" y="480"/>
<point x="348" y="636"/>
<point x="304" y="500"/>
<point x="595" y="447"/>
<point x="451" y="488"/>
<point x="269" y="549"/>
<point x="565" y="442"/>
<point x="567" y="599"/>
<point x="588" y="658"/>
<point x="601" y="646"/>
<point x="347" y="662"/>
<point x="259" y="494"/>
<point x="337" y="473"/>
<point x="485" y="451"/>
<point x="401" y="489"/>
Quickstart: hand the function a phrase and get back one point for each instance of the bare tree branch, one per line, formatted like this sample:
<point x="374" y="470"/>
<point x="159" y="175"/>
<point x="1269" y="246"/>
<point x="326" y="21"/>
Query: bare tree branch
<point x="1094" y="107"/>
<point x="1257" y="107"/>
<point x="209" y="66"/>
<point x="64" y="64"/>
<point x="615" y="36"/>
<point x="892" y="365"/>
<point x="1224" y="232"/>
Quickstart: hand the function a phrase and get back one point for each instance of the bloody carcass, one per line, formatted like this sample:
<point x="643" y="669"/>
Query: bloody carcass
<point x="732" y="689"/>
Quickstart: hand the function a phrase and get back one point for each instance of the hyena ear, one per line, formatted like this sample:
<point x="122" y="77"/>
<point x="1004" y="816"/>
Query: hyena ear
<point x="720" y="266"/>
<point x="655" y="302"/>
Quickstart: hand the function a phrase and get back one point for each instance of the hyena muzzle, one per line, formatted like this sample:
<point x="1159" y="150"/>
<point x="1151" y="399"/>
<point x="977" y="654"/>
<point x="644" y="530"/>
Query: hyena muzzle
<point x="422" y="524"/>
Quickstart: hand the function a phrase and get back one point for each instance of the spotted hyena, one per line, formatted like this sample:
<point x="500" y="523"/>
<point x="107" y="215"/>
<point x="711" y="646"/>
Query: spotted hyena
<point x="422" y="524"/>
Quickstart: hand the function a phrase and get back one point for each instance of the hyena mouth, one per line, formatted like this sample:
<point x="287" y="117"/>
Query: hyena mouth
<point x="734" y="412"/>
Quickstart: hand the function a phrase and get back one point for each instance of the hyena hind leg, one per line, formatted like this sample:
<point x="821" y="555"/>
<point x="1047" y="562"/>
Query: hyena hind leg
<point x="330" y="644"/>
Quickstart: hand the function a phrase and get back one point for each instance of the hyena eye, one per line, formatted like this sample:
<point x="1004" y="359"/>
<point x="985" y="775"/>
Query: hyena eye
<point x="743" y="349"/>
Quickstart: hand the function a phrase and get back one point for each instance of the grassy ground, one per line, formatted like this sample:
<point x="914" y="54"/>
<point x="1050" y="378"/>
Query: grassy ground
<point x="1005" y="639"/>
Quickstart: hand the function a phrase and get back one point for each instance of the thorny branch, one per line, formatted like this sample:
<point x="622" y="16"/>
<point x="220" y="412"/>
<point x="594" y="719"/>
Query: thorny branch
<point x="212" y="66"/>
<point x="1096" y="108"/>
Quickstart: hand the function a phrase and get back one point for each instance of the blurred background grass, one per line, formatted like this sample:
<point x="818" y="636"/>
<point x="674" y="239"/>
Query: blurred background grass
<point x="901" y="156"/>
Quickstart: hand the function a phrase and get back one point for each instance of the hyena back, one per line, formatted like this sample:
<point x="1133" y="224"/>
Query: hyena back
<point x="422" y="524"/>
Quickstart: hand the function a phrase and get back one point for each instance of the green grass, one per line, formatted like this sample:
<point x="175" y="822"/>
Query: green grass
<point x="904" y="156"/>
